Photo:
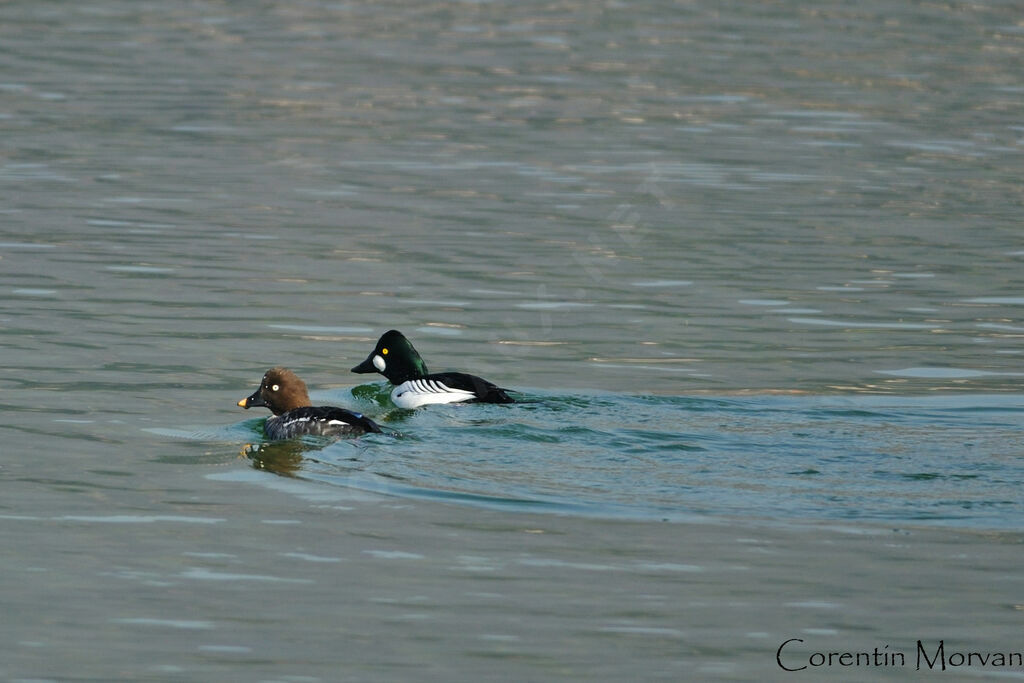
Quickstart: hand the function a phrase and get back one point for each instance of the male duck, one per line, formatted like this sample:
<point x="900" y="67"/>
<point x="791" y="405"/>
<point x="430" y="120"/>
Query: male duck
<point x="395" y="358"/>
<point x="293" y="415"/>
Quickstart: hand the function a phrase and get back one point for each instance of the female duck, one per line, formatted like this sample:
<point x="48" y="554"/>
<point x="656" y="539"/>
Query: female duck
<point x="293" y="415"/>
<point x="395" y="358"/>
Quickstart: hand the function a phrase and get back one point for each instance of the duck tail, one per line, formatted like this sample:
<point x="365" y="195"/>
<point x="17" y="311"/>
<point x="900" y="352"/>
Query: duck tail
<point x="497" y="395"/>
<point x="367" y="424"/>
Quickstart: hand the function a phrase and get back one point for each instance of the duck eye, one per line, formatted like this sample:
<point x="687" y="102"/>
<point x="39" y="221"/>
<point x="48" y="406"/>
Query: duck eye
<point x="383" y="352"/>
<point x="275" y="387"/>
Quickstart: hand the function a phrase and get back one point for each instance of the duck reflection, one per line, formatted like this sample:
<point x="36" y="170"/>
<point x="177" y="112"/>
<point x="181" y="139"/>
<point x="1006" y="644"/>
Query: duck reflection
<point x="280" y="457"/>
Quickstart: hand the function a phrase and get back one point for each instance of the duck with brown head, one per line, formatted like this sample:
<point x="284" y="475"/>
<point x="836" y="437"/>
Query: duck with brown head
<point x="294" y="415"/>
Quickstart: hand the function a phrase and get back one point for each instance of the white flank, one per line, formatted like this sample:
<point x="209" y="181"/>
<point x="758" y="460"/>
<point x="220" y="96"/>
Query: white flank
<point x="422" y="392"/>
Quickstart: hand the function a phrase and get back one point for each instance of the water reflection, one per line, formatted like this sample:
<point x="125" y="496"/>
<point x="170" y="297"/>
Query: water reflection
<point x="280" y="457"/>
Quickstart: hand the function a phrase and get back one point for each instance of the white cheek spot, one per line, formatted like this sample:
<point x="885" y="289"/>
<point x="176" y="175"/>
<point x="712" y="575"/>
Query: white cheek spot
<point x="378" y="362"/>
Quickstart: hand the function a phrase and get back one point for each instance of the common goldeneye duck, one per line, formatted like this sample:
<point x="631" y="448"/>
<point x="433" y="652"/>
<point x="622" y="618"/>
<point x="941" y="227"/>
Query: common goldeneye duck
<point x="285" y="394"/>
<point x="395" y="358"/>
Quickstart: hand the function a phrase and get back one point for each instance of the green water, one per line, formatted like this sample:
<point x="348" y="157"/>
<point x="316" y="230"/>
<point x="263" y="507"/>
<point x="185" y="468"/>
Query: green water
<point x="746" y="265"/>
<point x="945" y="460"/>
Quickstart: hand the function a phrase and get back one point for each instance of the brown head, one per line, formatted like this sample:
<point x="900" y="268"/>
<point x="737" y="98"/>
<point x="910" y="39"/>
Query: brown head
<point x="281" y="390"/>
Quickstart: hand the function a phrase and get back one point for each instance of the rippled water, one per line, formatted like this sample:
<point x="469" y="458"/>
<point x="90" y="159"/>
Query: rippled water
<point x="743" y="262"/>
<point x="946" y="460"/>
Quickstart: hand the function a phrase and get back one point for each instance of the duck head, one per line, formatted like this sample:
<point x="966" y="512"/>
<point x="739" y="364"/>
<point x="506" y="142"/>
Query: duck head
<point x="281" y="390"/>
<point x="395" y="358"/>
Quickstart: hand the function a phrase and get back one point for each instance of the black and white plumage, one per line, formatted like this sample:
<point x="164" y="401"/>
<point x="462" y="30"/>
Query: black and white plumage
<point x="287" y="398"/>
<point x="395" y="358"/>
<point x="446" y="387"/>
<point x="318" y="421"/>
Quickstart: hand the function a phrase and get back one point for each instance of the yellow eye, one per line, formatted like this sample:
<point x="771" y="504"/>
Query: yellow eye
<point x="274" y="388"/>
<point x="383" y="352"/>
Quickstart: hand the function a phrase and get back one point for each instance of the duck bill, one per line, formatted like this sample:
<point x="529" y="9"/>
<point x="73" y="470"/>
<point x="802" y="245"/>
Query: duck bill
<point x="366" y="366"/>
<point x="251" y="401"/>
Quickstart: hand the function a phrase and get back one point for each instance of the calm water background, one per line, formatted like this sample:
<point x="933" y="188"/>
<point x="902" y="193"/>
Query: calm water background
<point x="744" y="262"/>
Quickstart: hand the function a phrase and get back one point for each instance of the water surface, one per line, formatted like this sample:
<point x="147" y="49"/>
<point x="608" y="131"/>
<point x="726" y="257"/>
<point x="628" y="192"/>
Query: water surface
<point x="947" y="460"/>
<point x="751" y="267"/>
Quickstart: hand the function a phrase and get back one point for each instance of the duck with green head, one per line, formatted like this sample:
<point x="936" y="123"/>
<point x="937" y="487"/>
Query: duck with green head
<point x="395" y="358"/>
